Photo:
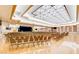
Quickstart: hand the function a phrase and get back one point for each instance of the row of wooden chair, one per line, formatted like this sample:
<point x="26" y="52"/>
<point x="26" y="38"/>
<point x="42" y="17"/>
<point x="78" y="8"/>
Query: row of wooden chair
<point x="20" y="39"/>
<point x="58" y="36"/>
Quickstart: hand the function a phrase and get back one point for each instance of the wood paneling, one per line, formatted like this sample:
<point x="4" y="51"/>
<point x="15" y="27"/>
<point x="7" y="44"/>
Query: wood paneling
<point x="70" y="28"/>
<point x="74" y="28"/>
<point x="62" y="29"/>
<point x="13" y="10"/>
<point x="77" y="13"/>
<point x="5" y="11"/>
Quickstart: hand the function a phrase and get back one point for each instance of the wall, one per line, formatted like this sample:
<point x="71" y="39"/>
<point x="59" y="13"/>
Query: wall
<point x="41" y="29"/>
<point x="11" y="26"/>
<point x="72" y="28"/>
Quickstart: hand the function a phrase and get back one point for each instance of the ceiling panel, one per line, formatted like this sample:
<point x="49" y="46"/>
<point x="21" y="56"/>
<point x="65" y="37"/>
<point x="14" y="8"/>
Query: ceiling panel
<point x="46" y="14"/>
<point x="20" y="9"/>
<point x="51" y="13"/>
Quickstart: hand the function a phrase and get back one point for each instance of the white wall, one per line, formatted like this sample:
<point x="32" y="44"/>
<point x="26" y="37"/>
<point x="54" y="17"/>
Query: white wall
<point x="41" y="29"/>
<point x="13" y="27"/>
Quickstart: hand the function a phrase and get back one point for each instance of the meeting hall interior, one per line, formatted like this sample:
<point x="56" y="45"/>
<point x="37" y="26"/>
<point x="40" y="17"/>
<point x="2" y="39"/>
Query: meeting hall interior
<point x="39" y="29"/>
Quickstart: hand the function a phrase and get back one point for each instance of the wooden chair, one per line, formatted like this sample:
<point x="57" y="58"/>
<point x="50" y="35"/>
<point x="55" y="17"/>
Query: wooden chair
<point x="31" y="41"/>
<point x="13" y="42"/>
<point x="66" y="34"/>
<point x="40" y="40"/>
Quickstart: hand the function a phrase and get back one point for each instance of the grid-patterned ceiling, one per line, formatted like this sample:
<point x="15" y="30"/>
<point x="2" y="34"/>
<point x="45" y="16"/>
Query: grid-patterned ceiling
<point x="46" y="14"/>
<point x="52" y="13"/>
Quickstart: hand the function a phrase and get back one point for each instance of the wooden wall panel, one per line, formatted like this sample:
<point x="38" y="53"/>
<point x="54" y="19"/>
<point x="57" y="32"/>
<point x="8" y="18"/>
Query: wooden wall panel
<point x="61" y="28"/>
<point x="70" y="28"/>
<point x="58" y="29"/>
<point x="78" y="28"/>
<point x="66" y="29"/>
<point x="74" y="28"/>
<point x="77" y="13"/>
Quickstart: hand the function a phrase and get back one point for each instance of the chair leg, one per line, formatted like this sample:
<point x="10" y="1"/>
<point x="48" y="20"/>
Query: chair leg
<point x="35" y="44"/>
<point x="10" y="47"/>
<point x="38" y="44"/>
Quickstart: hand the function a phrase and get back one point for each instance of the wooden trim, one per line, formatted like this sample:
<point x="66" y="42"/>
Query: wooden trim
<point x="13" y="10"/>
<point x="74" y="28"/>
<point x="77" y="13"/>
